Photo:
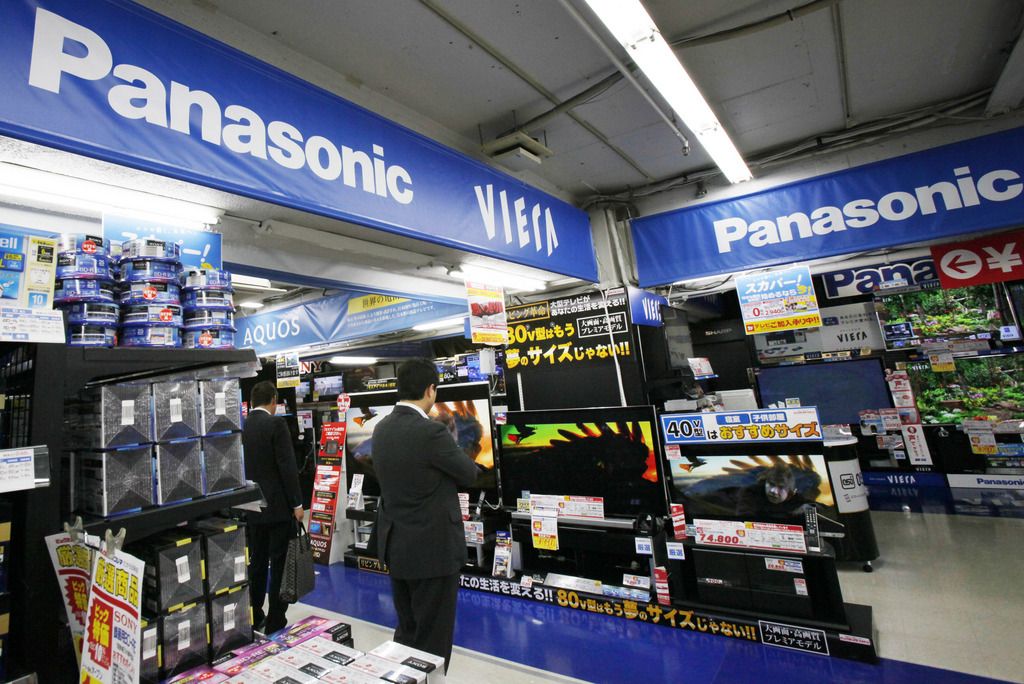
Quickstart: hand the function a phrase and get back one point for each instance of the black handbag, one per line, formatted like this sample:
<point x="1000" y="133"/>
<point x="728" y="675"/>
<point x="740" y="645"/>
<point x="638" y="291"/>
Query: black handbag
<point x="299" y="577"/>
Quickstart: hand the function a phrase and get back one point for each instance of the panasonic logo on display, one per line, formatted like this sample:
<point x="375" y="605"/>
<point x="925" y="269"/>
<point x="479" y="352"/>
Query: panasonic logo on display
<point x="999" y="185"/>
<point x="63" y="48"/>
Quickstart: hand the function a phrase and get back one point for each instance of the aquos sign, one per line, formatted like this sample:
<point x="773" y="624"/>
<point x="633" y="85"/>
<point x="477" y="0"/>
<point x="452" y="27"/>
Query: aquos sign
<point x="965" y="187"/>
<point x="112" y="80"/>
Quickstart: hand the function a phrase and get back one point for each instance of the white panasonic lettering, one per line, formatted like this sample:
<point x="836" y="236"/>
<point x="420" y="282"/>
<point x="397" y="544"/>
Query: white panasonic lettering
<point x="998" y="185"/>
<point x="139" y="94"/>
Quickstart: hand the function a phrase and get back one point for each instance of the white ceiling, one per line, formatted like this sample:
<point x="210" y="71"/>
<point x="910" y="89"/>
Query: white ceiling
<point x="468" y="71"/>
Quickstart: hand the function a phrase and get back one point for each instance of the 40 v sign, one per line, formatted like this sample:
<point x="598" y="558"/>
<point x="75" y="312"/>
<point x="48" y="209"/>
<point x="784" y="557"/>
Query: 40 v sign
<point x="769" y="425"/>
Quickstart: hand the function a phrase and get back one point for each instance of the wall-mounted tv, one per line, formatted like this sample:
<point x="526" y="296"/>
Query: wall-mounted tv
<point x="328" y="386"/>
<point x="756" y="488"/>
<point x="839" y="389"/>
<point x="909" y="317"/>
<point x="608" y="452"/>
<point x="981" y="386"/>
<point x="464" y="408"/>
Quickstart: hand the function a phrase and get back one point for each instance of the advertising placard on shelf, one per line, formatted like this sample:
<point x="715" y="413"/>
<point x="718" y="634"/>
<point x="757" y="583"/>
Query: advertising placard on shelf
<point x="199" y="248"/>
<point x="287" y="366"/>
<point x="792" y="637"/>
<point x="73" y="561"/>
<point x="28" y="263"/>
<point x="917" y="447"/>
<point x="31" y="325"/>
<point x="778" y="300"/>
<point x="17" y="469"/>
<point x="488" y="322"/>
<point x="327" y="492"/>
<point x="573" y="506"/>
<point x="791" y="424"/>
<point x="111" y="650"/>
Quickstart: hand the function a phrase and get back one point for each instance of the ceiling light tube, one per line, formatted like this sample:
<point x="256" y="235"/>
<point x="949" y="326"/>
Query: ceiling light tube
<point x="239" y="280"/>
<point x="354" y="360"/>
<point x="510" y="281"/>
<point x="441" y="323"/>
<point x="633" y="27"/>
<point x="251" y="305"/>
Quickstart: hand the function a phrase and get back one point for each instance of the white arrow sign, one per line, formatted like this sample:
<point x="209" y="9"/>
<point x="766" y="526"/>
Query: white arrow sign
<point x="961" y="264"/>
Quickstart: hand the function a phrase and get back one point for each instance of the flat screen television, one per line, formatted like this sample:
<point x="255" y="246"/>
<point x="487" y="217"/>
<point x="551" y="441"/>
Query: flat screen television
<point x="980" y="386"/>
<point x="328" y="386"/>
<point x="909" y="317"/>
<point x="302" y="391"/>
<point x="839" y="389"/>
<point x="612" y="453"/>
<point x="464" y="408"/>
<point x="776" y="487"/>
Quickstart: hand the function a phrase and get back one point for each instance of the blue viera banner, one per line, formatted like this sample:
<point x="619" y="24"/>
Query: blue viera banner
<point x="346" y="316"/>
<point x="113" y="80"/>
<point x="965" y="187"/>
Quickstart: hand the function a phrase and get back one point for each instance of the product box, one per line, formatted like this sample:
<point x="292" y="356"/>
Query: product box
<point x="175" y="411"/>
<point x="149" y="663"/>
<point x="274" y="670"/>
<point x="174" y="570"/>
<point x="179" y="471"/>
<point x="243" y="658"/>
<point x="115" y="481"/>
<point x="313" y="626"/>
<point x="306" y="662"/>
<point x="340" y="654"/>
<point x="182" y="639"/>
<point x="388" y="671"/>
<point x="204" y="674"/>
<point x="225" y="467"/>
<point x="221" y="406"/>
<point x="112" y="416"/>
<point x="347" y="675"/>
<point x="226" y="552"/>
<point x="230" y="617"/>
<point x="432" y="666"/>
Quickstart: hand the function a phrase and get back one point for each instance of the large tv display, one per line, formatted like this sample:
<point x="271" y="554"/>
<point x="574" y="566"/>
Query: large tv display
<point x="608" y="452"/>
<point x="759" y="488"/>
<point x="328" y="386"/>
<point x="464" y="408"/>
<point x="909" y="317"/>
<point x="839" y="389"/>
<point x="981" y="386"/>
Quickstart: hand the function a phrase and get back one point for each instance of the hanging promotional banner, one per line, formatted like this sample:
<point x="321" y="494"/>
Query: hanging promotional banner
<point x="587" y="328"/>
<point x="991" y="259"/>
<point x="199" y="248"/>
<point x="855" y="282"/>
<point x="178" y="103"/>
<point x="488" y="323"/>
<point x="965" y="187"/>
<point x="287" y="369"/>
<point x="791" y="424"/>
<point x="28" y="264"/>
<point x="72" y="561"/>
<point x="645" y="307"/>
<point x="111" y="651"/>
<point x="323" y="510"/>
<point x="344" y="316"/>
<point x="778" y="300"/>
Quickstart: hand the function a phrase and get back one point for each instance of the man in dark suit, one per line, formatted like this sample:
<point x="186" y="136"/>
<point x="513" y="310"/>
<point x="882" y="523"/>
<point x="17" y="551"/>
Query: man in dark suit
<point x="420" y="535"/>
<point x="270" y="461"/>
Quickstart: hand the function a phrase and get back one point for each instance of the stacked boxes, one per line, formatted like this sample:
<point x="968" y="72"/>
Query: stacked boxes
<point x="230" y="616"/>
<point x="227" y="590"/>
<point x="85" y="292"/>
<point x="221" y="412"/>
<point x="183" y="639"/>
<point x="149" y="666"/>
<point x="209" y="309"/>
<point x="149" y="278"/>
<point x="225" y="466"/>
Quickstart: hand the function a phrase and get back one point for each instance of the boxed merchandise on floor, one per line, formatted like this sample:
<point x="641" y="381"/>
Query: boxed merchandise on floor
<point x="221" y="406"/>
<point x="111" y="416"/>
<point x="204" y="674"/>
<point x="432" y="666"/>
<point x="346" y="675"/>
<point x="340" y="654"/>
<point x="225" y="467"/>
<point x="115" y="481"/>
<point x="179" y="471"/>
<point x="149" y="665"/>
<point x="313" y="626"/>
<point x="182" y="639"/>
<point x="230" y="618"/>
<point x="275" y="670"/>
<point x="240" y="659"/>
<point x="226" y="551"/>
<point x="175" y="411"/>
<point x="306" y="662"/>
<point x="388" y="671"/>
<point x="174" y="570"/>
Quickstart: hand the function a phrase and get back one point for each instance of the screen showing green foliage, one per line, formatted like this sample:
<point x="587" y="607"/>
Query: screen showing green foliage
<point x="981" y="386"/>
<point x="939" y="314"/>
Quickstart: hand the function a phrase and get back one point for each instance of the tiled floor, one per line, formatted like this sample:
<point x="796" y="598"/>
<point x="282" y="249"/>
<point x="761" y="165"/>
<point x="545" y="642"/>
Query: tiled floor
<point x="947" y="594"/>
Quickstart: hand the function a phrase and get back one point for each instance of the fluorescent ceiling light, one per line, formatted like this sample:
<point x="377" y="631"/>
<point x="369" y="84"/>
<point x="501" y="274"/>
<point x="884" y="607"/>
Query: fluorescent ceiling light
<point x="441" y="323"/>
<point x="251" y="305"/>
<point x="633" y="27"/>
<point x="58" y="189"/>
<point x="244" y="282"/>
<point x="354" y="360"/>
<point x="510" y="281"/>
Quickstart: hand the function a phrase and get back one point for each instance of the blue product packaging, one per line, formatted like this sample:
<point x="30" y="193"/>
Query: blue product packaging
<point x="209" y="299"/>
<point x="83" y="266"/>
<point x="91" y="313"/>
<point x="168" y="314"/>
<point x="151" y="293"/>
<point x="83" y="291"/>
<point x="206" y="279"/>
<point x="91" y="335"/>
<point x="209" y="339"/>
<point x="82" y="243"/>
<point x="209" y="319"/>
<point x="150" y="335"/>
<point x="150" y="248"/>
<point x="144" y="270"/>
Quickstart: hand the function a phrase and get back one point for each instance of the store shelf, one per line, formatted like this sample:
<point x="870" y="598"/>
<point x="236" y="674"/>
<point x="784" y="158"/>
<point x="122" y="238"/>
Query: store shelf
<point x="87" y="366"/>
<point x="362" y="516"/>
<point x="153" y="520"/>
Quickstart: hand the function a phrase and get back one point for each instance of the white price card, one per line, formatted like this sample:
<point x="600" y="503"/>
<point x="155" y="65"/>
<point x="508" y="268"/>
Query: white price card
<point x="17" y="469"/>
<point x="175" y="406"/>
<point x="643" y="546"/>
<point x="184" y="573"/>
<point x="676" y="550"/>
<point x="184" y="635"/>
<point x="239" y="568"/>
<point x="127" y="412"/>
<point x="220" y="404"/>
<point x="229" y="616"/>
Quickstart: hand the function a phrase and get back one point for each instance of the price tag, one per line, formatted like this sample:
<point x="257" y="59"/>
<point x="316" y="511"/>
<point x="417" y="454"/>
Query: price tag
<point x="638" y="581"/>
<point x="673" y="452"/>
<point x="239" y="568"/>
<point x="175" y="406"/>
<point x="464" y="505"/>
<point x="800" y="585"/>
<point x="184" y="635"/>
<point x="149" y="643"/>
<point x="676" y="550"/>
<point x="526" y="581"/>
<point x="184" y="574"/>
<point x="220" y="404"/>
<point x="523" y="505"/>
<point x="643" y="546"/>
<point x="678" y="521"/>
<point x="229" y="617"/>
<point x="544" y="526"/>
<point x="942" y="362"/>
<point x="127" y="412"/>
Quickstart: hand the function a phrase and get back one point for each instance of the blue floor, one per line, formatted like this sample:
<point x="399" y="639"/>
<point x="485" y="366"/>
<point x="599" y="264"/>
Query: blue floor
<point x="604" y="649"/>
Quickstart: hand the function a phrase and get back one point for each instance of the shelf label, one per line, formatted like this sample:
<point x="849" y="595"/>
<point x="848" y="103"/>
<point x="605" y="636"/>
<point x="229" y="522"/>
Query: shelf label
<point x="751" y="535"/>
<point x="184" y="573"/>
<point x="175" y="406"/>
<point x="220" y="404"/>
<point x="17" y="469"/>
<point x="676" y="550"/>
<point x="229" y="616"/>
<point x="643" y="546"/>
<point x="31" y="325"/>
<point x="544" y="526"/>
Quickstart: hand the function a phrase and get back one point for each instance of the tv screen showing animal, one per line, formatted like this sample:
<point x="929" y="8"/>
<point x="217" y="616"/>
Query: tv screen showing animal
<point x="757" y="488"/>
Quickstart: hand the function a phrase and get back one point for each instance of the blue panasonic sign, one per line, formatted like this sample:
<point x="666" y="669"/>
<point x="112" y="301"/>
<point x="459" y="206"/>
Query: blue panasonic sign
<point x="113" y="80"/>
<point x="965" y="187"/>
